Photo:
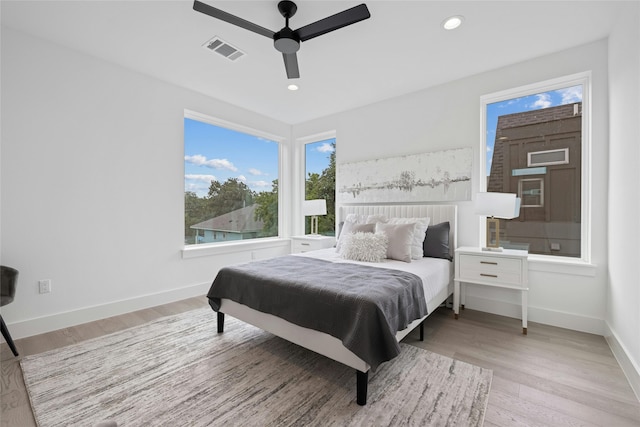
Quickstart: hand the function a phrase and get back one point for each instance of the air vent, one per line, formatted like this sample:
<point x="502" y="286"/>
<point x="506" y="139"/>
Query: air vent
<point x="223" y="48"/>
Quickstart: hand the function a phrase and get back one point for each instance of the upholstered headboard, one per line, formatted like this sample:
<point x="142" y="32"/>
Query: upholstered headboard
<point x="436" y="213"/>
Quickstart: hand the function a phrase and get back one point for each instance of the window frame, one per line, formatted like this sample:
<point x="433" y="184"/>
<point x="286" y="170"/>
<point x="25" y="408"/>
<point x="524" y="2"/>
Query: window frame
<point x="584" y="79"/>
<point x="301" y="174"/>
<point x="214" y="248"/>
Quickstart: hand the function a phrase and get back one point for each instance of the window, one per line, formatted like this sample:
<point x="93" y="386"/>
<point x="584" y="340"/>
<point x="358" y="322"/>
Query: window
<point x="320" y="181"/>
<point x="231" y="182"/>
<point x="536" y="144"/>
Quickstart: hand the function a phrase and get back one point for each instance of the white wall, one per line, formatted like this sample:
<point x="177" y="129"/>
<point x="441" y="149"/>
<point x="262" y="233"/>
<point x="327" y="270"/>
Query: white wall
<point x="448" y="116"/>
<point x="91" y="183"/>
<point x="623" y="296"/>
<point x="92" y="186"/>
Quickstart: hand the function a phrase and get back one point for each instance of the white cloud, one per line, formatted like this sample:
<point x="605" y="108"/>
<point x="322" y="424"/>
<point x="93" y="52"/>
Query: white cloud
<point x="571" y="94"/>
<point x="489" y="149"/>
<point x="200" y="160"/>
<point x="325" y="148"/>
<point x="201" y="178"/>
<point x="543" y="101"/>
<point x="192" y="187"/>
<point x="198" y="184"/>
<point x="256" y="172"/>
<point x="242" y="178"/>
<point x="508" y="103"/>
<point x="266" y="140"/>
<point x="260" y="184"/>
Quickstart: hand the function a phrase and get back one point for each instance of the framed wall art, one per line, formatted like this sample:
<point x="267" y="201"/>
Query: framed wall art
<point x="426" y="177"/>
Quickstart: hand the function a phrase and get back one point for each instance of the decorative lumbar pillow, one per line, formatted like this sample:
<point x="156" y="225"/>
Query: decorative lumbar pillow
<point x="368" y="247"/>
<point x="400" y="238"/>
<point x="420" y="228"/>
<point x="436" y="243"/>
<point x="352" y="227"/>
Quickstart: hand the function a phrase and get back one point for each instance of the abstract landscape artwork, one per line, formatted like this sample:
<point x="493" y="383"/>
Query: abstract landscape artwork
<point x="425" y="177"/>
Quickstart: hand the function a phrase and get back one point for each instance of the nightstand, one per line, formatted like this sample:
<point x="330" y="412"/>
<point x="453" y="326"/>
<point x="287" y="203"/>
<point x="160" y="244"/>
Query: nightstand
<point x="311" y="242"/>
<point x="507" y="269"/>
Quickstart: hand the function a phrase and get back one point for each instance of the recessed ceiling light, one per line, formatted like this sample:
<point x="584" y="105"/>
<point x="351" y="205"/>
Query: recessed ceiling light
<point x="452" y="22"/>
<point x="292" y="87"/>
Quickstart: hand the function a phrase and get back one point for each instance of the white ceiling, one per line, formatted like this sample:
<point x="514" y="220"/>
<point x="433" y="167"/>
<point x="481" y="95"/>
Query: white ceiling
<point x="400" y="49"/>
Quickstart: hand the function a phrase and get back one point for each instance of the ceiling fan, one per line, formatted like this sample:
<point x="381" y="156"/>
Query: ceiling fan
<point x="287" y="40"/>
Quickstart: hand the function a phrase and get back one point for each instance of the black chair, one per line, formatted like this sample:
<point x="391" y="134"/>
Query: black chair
<point x="9" y="279"/>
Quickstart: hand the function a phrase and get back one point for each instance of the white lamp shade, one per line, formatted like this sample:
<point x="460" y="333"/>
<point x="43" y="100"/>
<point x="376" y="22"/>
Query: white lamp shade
<point x="314" y="207"/>
<point x="498" y="205"/>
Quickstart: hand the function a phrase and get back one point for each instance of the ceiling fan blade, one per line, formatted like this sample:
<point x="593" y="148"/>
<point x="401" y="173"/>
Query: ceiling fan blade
<point x="291" y="65"/>
<point x="231" y="19"/>
<point x="333" y="22"/>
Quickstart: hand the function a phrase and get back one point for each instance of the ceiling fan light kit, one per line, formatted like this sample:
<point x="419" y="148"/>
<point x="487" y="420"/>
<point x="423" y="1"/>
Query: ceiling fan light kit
<point x="287" y="41"/>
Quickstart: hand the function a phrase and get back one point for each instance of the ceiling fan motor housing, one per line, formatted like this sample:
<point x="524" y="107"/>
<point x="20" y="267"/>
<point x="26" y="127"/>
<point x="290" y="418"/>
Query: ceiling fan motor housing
<point x="286" y="41"/>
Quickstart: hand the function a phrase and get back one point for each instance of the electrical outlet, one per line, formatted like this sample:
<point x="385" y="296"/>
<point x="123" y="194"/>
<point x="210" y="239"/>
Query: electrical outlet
<point x="44" y="286"/>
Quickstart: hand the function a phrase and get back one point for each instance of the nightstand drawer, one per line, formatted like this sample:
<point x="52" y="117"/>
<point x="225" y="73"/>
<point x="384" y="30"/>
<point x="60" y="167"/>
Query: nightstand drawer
<point x="494" y="277"/>
<point x="490" y="264"/>
<point x="491" y="269"/>
<point x="306" y="244"/>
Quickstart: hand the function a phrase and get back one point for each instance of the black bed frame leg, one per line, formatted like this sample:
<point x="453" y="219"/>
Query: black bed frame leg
<point x="422" y="331"/>
<point x="220" y="322"/>
<point x="362" y="380"/>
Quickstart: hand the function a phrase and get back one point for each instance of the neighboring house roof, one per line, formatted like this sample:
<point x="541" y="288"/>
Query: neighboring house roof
<point x="238" y="221"/>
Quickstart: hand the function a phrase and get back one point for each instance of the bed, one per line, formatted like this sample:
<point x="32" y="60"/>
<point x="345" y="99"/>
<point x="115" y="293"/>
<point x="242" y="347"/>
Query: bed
<point x="436" y="285"/>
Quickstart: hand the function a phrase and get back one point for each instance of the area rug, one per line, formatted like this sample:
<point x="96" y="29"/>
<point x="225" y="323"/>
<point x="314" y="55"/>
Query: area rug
<point x="178" y="371"/>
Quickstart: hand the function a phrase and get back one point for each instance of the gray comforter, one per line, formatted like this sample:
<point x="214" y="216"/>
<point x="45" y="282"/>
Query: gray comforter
<point x="362" y="306"/>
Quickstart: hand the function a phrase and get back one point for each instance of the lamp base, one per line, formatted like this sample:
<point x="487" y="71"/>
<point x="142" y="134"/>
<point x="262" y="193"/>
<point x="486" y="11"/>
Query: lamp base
<point x="314" y="225"/>
<point x="493" y="235"/>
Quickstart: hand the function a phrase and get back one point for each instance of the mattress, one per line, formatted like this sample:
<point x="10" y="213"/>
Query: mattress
<point x="436" y="274"/>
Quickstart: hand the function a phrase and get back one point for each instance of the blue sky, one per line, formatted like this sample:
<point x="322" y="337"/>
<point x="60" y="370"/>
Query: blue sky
<point x="215" y="153"/>
<point x="526" y="103"/>
<point x="317" y="156"/>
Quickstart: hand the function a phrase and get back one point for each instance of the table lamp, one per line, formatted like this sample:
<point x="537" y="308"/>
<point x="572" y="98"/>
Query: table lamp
<point x="494" y="206"/>
<point x="313" y="208"/>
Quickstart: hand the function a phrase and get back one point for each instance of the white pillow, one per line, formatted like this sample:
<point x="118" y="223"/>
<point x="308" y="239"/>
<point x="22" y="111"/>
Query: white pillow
<point x="372" y="219"/>
<point x="365" y="219"/>
<point x="368" y="247"/>
<point x="419" y="233"/>
<point x="350" y="228"/>
<point x="355" y="218"/>
<point x="400" y="238"/>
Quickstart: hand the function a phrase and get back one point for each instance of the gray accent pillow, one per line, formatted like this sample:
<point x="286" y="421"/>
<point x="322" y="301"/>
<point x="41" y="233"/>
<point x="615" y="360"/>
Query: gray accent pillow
<point x="400" y="238"/>
<point x="352" y="227"/>
<point x="436" y="242"/>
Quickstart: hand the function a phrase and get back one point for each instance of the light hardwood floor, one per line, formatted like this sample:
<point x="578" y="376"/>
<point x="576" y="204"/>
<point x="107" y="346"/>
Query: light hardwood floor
<point x="550" y="377"/>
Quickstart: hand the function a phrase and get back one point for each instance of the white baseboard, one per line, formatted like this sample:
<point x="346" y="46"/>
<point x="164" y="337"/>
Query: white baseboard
<point x="545" y="316"/>
<point x="629" y="367"/>
<point x="40" y="325"/>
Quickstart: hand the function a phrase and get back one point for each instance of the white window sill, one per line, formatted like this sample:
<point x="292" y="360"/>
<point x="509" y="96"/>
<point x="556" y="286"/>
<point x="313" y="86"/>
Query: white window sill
<point x="563" y="265"/>
<point x="212" y="249"/>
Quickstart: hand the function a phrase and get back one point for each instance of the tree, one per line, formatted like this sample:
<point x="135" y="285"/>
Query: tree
<point x="267" y="210"/>
<point x="231" y="195"/>
<point x="195" y="211"/>
<point x="323" y="186"/>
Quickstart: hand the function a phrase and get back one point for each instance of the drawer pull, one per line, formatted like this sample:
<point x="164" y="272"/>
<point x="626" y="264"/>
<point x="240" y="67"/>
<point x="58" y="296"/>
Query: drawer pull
<point x="489" y="275"/>
<point x="305" y="244"/>
<point x="489" y="262"/>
